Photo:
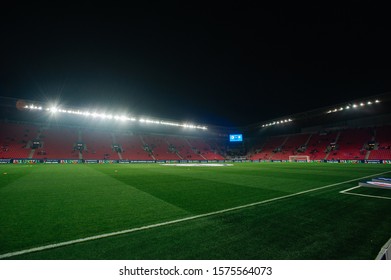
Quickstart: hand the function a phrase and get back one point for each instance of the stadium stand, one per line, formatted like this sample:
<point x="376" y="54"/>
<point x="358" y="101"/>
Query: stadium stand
<point x="294" y="145"/>
<point x="184" y="148"/>
<point x="382" y="141"/>
<point x="57" y="143"/>
<point x="98" y="145"/>
<point x="160" y="147"/>
<point x="351" y="144"/>
<point x="319" y="143"/>
<point x="372" y="143"/>
<point x="204" y="149"/>
<point x="133" y="147"/>
<point x="16" y="139"/>
<point x="271" y="146"/>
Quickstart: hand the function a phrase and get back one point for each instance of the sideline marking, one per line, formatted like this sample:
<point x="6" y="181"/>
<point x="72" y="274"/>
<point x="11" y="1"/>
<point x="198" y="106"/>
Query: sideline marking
<point x="365" y="195"/>
<point x="349" y="189"/>
<point x="95" y="237"/>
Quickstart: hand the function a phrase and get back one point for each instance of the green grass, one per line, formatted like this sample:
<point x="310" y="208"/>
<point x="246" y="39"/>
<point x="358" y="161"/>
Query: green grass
<point x="47" y="204"/>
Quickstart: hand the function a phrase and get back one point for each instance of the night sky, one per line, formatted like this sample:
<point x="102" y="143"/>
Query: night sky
<point x="228" y="65"/>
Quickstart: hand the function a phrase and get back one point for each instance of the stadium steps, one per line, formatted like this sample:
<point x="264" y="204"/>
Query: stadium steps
<point x="308" y="140"/>
<point x="285" y="140"/>
<point x="194" y="154"/>
<point x="337" y="138"/>
<point x="177" y="153"/>
<point x="367" y="154"/>
<point x="80" y="139"/>
<point x="114" y="140"/>
<point x="336" y="142"/>
<point x="144" y="143"/>
<point x="32" y="152"/>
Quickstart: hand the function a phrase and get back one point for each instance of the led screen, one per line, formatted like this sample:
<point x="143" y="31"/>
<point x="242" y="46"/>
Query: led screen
<point x="235" y="138"/>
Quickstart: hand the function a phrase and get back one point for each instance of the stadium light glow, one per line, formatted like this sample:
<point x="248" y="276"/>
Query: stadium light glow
<point x="276" y="122"/>
<point x="354" y="105"/>
<point x="107" y="116"/>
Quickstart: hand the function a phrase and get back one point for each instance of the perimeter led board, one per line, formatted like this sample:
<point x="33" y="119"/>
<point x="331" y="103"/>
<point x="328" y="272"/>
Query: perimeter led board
<point x="235" y="138"/>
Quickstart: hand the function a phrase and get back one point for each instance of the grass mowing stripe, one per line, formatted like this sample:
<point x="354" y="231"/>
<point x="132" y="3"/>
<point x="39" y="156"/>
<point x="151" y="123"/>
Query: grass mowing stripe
<point x="61" y="244"/>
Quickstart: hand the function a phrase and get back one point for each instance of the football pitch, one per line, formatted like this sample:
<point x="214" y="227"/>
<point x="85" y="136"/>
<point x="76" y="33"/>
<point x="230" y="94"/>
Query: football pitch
<point x="245" y="211"/>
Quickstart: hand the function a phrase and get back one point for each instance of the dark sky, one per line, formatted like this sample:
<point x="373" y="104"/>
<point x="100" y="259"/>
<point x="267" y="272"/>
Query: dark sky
<point x="227" y="65"/>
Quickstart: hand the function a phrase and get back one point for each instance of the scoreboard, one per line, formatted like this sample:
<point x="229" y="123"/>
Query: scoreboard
<point x="235" y="138"/>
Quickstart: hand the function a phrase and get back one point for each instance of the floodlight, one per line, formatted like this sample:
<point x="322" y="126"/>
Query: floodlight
<point x="347" y="107"/>
<point x="362" y="104"/>
<point x="53" y="109"/>
<point x="377" y="101"/>
<point x="369" y="103"/>
<point x="354" y="106"/>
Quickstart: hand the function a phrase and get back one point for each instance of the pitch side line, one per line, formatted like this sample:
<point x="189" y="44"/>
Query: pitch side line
<point x="365" y="195"/>
<point x="95" y="237"/>
<point x="344" y="191"/>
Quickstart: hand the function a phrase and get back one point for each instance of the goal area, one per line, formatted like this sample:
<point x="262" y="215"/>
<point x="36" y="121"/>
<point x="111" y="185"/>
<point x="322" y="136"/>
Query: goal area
<point x="300" y="158"/>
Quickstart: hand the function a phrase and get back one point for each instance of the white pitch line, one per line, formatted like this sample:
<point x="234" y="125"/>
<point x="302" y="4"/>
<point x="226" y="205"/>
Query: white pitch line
<point x="349" y="189"/>
<point x="95" y="237"/>
<point x="365" y="195"/>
